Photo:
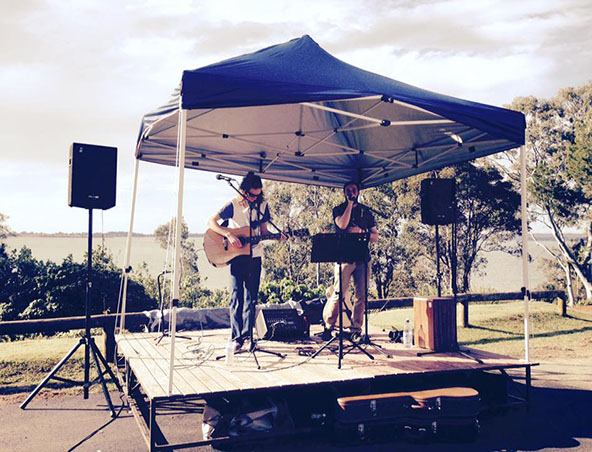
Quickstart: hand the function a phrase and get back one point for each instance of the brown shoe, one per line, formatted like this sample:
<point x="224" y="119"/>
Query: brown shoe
<point x="327" y="334"/>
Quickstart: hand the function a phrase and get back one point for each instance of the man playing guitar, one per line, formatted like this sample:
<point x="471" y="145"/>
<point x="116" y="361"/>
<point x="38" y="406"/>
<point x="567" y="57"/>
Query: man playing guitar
<point x="245" y="269"/>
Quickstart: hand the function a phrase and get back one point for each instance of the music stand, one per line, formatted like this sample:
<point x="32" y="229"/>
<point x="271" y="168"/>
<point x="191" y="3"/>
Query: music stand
<point x="340" y="248"/>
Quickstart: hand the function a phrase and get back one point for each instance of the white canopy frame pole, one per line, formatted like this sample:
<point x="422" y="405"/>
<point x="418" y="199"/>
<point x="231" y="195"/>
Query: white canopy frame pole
<point x="525" y="282"/>
<point x="178" y="230"/>
<point x="128" y="249"/>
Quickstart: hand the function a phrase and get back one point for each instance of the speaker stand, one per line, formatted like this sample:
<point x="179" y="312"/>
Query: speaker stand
<point x="89" y="347"/>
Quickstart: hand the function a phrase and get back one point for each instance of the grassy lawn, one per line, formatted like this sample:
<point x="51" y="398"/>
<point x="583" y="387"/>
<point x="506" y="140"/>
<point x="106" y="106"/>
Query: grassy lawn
<point x="24" y="364"/>
<point x="499" y="328"/>
<point x="495" y="327"/>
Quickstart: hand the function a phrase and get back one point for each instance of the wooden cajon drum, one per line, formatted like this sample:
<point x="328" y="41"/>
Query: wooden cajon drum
<point x="435" y="323"/>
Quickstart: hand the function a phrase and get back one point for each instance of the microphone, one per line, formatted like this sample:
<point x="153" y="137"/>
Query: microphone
<point x="221" y="177"/>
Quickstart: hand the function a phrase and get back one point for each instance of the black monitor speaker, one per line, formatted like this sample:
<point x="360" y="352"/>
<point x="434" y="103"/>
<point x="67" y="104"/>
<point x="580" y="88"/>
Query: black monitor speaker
<point x="437" y="201"/>
<point x="92" y="176"/>
<point x="282" y="324"/>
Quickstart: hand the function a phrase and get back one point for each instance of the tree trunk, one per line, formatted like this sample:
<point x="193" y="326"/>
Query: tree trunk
<point x="570" y="259"/>
<point x="379" y="291"/>
<point x="465" y="283"/>
<point x="569" y="285"/>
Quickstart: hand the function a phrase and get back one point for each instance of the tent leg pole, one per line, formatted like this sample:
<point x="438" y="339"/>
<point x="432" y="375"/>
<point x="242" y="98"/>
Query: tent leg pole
<point x="525" y="288"/>
<point x="128" y="248"/>
<point x="178" y="231"/>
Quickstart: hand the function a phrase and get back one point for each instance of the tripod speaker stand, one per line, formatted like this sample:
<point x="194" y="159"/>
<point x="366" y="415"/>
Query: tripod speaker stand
<point x="91" y="185"/>
<point x="438" y="207"/>
<point x="89" y="347"/>
<point x="340" y="248"/>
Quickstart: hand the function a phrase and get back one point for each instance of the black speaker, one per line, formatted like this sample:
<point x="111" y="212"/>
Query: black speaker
<point x="280" y="324"/>
<point x="437" y="201"/>
<point x="92" y="176"/>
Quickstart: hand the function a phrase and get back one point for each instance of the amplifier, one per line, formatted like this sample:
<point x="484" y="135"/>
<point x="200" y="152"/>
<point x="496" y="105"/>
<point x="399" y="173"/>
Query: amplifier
<point x="435" y="323"/>
<point x="280" y="324"/>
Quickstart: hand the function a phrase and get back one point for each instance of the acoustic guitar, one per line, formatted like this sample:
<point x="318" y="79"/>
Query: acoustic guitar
<point x="220" y="252"/>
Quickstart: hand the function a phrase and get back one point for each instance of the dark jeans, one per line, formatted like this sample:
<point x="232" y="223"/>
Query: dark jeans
<point x="245" y="275"/>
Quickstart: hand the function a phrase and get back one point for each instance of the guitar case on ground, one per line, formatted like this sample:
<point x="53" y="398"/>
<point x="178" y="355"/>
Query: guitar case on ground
<point x="435" y="414"/>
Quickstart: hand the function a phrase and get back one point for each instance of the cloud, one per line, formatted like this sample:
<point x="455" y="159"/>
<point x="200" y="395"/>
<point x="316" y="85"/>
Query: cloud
<point x="88" y="70"/>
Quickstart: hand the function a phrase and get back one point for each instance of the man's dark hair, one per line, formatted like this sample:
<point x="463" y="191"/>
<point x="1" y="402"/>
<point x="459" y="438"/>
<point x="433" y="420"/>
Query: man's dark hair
<point x="251" y="180"/>
<point x="351" y="182"/>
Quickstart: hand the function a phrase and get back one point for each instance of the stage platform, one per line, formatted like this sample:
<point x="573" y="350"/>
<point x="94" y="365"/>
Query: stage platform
<point x="200" y="370"/>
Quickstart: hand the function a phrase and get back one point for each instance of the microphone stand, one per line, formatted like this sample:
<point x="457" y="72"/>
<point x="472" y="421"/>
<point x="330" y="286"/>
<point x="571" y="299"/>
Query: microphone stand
<point x="384" y="216"/>
<point x="253" y="348"/>
<point x="164" y="332"/>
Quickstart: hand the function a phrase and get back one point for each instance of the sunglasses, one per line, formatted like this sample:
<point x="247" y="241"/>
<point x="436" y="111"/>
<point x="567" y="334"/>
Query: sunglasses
<point x="252" y="195"/>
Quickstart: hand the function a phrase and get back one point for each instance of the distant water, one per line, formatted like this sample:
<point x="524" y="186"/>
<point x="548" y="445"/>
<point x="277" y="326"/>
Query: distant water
<point x="503" y="272"/>
<point x="144" y="249"/>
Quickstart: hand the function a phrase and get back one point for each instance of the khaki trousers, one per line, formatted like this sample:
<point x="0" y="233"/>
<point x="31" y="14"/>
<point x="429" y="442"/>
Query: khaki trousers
<point x="353" y="271"/>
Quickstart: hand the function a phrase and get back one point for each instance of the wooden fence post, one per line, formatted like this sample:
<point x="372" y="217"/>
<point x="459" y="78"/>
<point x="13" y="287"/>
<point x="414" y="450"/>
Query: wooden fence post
<point x="465" y="303"/>
<point x="109" y="338"/>
<point x="561" y="302"/>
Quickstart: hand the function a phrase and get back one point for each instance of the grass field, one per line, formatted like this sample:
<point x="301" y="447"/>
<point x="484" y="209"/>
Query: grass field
<point x="499" y="328"/>
<point x="496" y="327"/>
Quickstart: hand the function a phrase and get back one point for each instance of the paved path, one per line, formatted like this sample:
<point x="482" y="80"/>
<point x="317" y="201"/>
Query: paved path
<point x="559" y="419"/>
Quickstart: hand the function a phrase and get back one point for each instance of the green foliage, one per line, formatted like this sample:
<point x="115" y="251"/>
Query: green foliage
<point x="558" y="195"/>
<point x="194" y="295"/>
<point x="286" y="290"/>
<point x="403" y="259"/>
<point x="31" y="289"/>
<point x="165" y="236"/>
<point x="295" y="206"/>
<point x="579" y="157"/>
<point x="487" y="217"/>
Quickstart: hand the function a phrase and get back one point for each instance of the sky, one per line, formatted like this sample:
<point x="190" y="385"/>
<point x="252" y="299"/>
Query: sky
<point x="88" y="70"/>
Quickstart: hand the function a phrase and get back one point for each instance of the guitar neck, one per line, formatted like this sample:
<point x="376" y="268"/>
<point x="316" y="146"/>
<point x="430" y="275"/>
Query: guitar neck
<point x="257" y="238"/>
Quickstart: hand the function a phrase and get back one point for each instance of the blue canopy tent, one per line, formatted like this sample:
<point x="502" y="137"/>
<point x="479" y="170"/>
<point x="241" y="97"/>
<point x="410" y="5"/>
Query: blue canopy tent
<point x="294" y="113"/>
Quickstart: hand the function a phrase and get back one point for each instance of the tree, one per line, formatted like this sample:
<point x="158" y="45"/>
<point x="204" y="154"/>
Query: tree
<point x="165" y="236"/>
<point x="295" y="206"/>
<point x="403" y="260"/>
<point x="311" y="206"/>
<point x="558" y="150"/>
<point x="31" y="289"/>
<point x="388" y="254"/>
<point x="487" y="218"/>
<point x="191" y="291"/>
<point x="5" y="231"/>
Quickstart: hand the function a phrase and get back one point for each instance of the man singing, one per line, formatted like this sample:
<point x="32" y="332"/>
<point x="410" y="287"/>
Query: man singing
<point x="354" y="218"/>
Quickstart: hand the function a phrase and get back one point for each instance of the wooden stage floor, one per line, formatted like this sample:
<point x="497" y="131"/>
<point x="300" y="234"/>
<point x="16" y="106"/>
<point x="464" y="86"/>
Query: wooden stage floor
<point x="199" y="375"/>
<point x="197" y="372"/>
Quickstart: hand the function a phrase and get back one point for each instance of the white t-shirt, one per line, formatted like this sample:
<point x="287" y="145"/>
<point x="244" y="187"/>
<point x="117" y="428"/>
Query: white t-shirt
<point x="237" y="214"/>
